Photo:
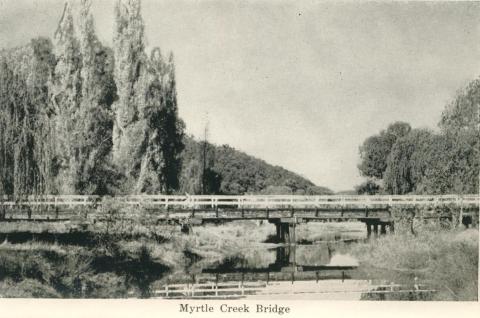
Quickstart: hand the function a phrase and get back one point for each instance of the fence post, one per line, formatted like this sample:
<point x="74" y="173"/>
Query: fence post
<point x="460" y="217"/>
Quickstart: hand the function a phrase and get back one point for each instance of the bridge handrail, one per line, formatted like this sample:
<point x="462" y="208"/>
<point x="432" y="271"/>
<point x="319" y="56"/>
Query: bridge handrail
<point x="263" y="201"/>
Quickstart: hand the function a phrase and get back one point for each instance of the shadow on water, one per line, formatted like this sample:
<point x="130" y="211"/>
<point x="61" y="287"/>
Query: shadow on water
<point x="82" y="273"/>
<point x="315" y="271"/>
<point x="75" y="238"/>
<point x="139" y="270"/>
<point x="191" y="258"/>
<point x="282" y="258"/>
<point x="78" y="238"/>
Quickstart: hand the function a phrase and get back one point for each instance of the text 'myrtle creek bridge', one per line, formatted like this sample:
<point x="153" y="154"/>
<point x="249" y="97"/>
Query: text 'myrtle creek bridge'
<point x="285" y="211"/>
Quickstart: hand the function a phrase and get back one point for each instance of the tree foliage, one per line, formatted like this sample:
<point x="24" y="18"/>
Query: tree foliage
<point x="98" y="93"/>
<point x="130" y="78"/>
<point x="26" y="151"/>
<point x="66" y="90"/>
<point x="425" y="162"/>
<point x="229" y="171"/>
<point x="148" y="135"/>
<point x="60" y="103"/>
<point x="462" y="114"/>
<point x="376" y="149"/>
<point x="163" y="141"/>
<point x="368" y="187"/>
<point x="407" y="162"/>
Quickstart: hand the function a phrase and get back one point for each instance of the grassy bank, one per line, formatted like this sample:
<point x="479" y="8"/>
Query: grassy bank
<point x="445" y="260"/>
<point x="51" y="260"/>
<point x="53" y="270"/>
<point x="114" y="261"/>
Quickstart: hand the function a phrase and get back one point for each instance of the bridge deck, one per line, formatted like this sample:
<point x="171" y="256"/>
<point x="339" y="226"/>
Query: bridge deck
<point x="243" y="201"/>
<point x="224" y="207"/>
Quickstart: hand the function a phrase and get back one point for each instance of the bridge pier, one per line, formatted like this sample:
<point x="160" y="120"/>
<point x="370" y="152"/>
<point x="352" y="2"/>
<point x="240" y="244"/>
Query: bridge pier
<point x="383" y="229"/>
<point x="475" y="217"/>
<point x="285" y="229"/>
<point x="391" y="226"/>
<point x="373" y="225"/>
<point x="186" y="228"/>
<point x="369" y="229"/>
<point x="285" y="256"/>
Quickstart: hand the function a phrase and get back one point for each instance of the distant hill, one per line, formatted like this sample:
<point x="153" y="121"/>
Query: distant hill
<point x="229" y="171"/>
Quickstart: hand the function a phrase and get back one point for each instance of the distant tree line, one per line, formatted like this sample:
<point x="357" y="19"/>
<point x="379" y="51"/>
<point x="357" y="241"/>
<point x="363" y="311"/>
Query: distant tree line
<point x="402" y="160"/>
<point x="77" y="117"/>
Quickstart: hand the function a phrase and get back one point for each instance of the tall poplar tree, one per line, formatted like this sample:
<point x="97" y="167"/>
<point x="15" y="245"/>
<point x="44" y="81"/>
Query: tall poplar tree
<point x="66" y="90"/>
<point x="130" y="78"/>
<point x="147" y="132"/>
<point x="163" y="142"/>
<point x="98" y="92"/>
<point x="173" y="130"/>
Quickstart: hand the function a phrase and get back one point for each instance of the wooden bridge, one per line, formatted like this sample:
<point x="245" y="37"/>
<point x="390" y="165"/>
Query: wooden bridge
<point x="239" y="201"/>
<point x="285" y="211"/>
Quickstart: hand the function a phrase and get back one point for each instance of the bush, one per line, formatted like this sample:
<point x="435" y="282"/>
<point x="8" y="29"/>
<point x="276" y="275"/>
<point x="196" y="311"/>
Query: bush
<point x="105" y="285"/>
<point x="28" y="288"/>
<point x="447" y="260"/>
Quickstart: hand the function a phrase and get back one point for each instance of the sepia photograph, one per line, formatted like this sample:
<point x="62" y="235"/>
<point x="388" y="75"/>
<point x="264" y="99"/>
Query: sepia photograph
<point x="221" y="150"/>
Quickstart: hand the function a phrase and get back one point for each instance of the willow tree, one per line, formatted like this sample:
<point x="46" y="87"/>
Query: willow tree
<point x="66" y="90"/>
<point x="7" y="129"/>
<point x="408" y="161"/>
<point x="26" y="149"/>
<point x="460" y="126"/>
<point x="375" y="150"/>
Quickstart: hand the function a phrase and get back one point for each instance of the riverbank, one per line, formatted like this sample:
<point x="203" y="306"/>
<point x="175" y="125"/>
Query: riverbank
<point x="50" y="261"/>
<point x="445" y="260"/>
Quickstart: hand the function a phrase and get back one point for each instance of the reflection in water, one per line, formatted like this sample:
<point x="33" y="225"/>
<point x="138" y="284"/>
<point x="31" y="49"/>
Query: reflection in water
<point x="343" y="260"/>
<point x="308" y="272"/>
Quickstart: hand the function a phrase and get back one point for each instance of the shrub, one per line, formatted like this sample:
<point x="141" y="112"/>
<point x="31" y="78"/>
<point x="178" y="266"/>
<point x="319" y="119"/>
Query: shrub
<point x="28" y="288"/>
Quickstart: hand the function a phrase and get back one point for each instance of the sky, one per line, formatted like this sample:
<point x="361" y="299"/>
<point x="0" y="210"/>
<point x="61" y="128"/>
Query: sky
<point x="299" y="84"/>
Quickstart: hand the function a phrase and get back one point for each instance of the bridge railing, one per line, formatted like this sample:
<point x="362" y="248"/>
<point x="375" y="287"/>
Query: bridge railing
<point x="242" y="201"/>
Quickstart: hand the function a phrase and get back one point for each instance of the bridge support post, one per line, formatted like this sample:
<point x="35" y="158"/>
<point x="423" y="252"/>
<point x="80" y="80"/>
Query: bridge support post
<point x="391" y="227"/>
<point x="282" y="257"/>
<point x="292" y="259"/>
<point x="291" y="233"/>
<point x="375" y="229"/>
<point x="475" y="219"/>
<point x="186" y="228"/>
<point x="29" y="211"/>
<point x="278" y="229"/>
<point x="459" y="222"/>
<point x="285" y="233"/>
<point x="383" y="228"/>
<point x="285" y="230"/>
<point x="369" y="229"/>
